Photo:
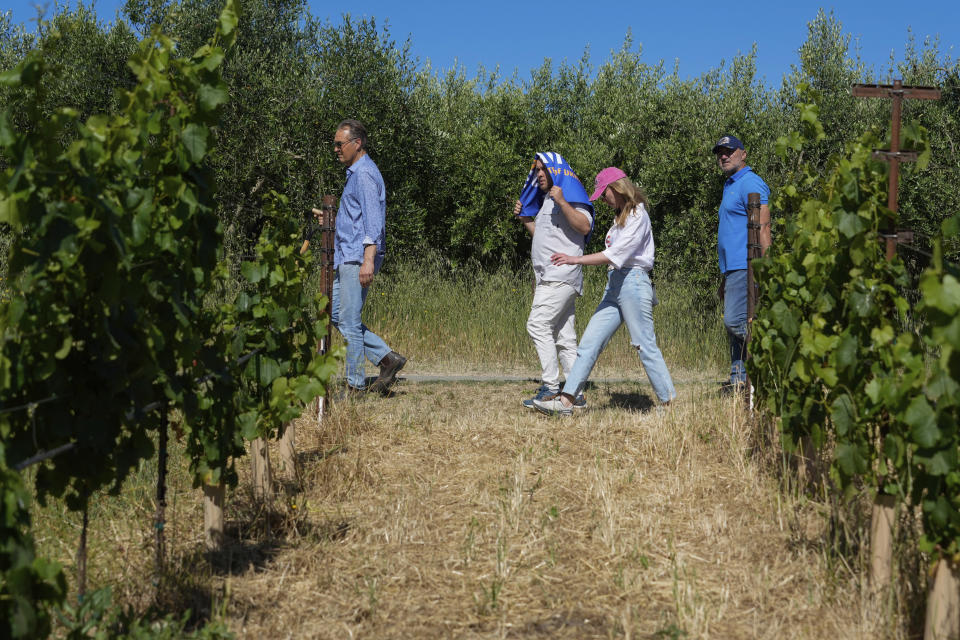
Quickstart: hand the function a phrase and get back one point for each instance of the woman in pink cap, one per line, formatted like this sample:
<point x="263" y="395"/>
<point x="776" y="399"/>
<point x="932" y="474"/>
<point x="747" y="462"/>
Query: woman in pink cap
<point x="628" y="298"/>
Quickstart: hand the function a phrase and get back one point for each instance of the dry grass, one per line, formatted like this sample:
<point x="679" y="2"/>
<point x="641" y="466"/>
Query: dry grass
<point x="447" y="510"/>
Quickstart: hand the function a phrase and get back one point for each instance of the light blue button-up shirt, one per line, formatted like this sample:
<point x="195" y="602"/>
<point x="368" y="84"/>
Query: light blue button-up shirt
<point x="361" y="218"/>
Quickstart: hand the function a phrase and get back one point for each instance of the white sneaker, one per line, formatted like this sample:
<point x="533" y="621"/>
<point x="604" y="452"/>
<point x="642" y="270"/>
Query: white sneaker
<point x="543" y="393"/>
<point x="553" y="407"/>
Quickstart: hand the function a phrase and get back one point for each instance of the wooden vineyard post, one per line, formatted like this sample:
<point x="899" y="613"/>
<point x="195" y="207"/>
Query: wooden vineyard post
<point x="213" y="497"/>
<point x="288" y="452"/>
<point x="262" y="475"/>
<point x="260" y="459"/>
<point x="881" y="542"/>
<point x="753" y="251"/>
<point x="897" y="92"/>
<point x="881" y="529"/>
<point x="943" y="604"/>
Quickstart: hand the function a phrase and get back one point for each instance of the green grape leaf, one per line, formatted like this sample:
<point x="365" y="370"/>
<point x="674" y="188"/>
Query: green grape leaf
<point x="209" y="98"/>
<point x="249" y="422"/>
<point x="254" y="272"/>
<point x="195" y="141"/>
<point x="921" y="419"/>
<point x="942" y="462"/>
<point x="64" y="349"/>
<point x="843" y="414"/>
<point x="850" y="224"/>
<point x="269" y="369"/>
<point x="850" y="459"/>
<point x="785" y="318"/>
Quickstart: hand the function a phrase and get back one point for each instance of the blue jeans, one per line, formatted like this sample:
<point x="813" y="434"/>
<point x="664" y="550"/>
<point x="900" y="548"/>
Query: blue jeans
<point x="345" y="310"/>
<point x="628" y="299"/>
<point x="735" y="320"/>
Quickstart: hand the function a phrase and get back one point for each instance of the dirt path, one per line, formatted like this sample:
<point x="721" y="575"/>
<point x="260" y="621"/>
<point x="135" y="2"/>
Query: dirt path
<point x="481" y="375"/>
<point x="449" y="511"/>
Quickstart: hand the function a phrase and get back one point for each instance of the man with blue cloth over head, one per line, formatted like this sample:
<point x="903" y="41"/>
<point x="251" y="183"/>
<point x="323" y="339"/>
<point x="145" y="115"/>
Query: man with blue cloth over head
<point x="556" y="211"/>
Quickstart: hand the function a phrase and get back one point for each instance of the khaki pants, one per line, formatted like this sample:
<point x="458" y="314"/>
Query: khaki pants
<point x="551" y="328"/>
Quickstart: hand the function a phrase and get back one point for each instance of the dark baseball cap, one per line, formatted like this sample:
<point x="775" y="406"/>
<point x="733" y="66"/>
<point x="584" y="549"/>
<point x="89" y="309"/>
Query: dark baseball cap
<point x="728" y="142"/>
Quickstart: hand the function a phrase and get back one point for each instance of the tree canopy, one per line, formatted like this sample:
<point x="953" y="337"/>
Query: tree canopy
<point x="454" y="150"/>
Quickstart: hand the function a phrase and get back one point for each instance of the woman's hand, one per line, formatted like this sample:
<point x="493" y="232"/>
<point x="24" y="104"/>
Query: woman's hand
<point x="517" y="208"/>
<point x="562" y="258"/>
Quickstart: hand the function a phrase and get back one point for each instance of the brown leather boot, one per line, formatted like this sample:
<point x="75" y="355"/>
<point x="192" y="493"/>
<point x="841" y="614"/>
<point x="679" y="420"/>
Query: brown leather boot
<point x="390" y="365"/>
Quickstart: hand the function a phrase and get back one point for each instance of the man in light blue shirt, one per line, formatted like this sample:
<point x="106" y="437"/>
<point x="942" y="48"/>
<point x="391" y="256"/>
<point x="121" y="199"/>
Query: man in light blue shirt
<point x="732" y="248"/>
<point x="358" y="251"/>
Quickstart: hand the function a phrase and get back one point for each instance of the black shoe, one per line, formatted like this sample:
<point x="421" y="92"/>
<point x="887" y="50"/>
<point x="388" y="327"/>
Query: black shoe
<point x="731" y="388"/>
<point x="390" y="366"/>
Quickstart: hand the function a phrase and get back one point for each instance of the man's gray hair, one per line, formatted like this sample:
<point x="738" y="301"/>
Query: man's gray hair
<point x="357" y="130"/>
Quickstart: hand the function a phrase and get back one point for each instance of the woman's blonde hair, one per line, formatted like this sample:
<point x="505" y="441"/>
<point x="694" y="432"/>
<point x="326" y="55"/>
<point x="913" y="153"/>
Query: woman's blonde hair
<point x="632" y="196"/>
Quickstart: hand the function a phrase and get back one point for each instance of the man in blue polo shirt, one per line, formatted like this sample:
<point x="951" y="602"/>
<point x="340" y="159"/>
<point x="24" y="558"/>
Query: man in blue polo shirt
<point x="732" y="248"/>
<point x="358" y="251"/>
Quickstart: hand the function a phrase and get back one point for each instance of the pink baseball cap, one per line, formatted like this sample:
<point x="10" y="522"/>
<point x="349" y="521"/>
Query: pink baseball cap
<point x="604" y="178"/>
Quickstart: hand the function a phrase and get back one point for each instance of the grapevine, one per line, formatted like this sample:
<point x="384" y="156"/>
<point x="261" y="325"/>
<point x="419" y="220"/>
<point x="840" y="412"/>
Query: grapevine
<point x="832" y="357"/>
<point x="119" y="308"/>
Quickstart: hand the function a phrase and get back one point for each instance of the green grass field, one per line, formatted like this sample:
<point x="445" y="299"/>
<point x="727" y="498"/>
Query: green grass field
<point x="477" y="322"/>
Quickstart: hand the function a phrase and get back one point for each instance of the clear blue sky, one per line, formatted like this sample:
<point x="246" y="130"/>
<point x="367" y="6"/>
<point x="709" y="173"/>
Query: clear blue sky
<point x="698" y="35"/>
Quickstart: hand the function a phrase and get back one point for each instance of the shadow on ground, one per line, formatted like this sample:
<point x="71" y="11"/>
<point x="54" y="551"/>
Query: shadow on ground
<point x="634" y="401"/>
<point x="262" y="529"/>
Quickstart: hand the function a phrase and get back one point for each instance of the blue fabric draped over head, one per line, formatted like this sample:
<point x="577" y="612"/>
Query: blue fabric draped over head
<point x="531" y="198"/>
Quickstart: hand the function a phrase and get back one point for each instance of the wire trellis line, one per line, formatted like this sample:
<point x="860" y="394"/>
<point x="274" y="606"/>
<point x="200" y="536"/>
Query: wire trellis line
<point x="28" y="405"/>
<point x="927" y="254"/>
<point x="43" y="455"/>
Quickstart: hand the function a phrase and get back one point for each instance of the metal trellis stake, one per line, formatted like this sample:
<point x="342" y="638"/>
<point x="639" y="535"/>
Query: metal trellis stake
<point x="753" y="251"/>
<point x="161" y="513"/>
<point x="328" y="227"/>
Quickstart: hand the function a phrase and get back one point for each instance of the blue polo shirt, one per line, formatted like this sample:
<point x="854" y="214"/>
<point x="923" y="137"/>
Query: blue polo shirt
<point x="361" y="218"/>
<point x="732" y="230"/>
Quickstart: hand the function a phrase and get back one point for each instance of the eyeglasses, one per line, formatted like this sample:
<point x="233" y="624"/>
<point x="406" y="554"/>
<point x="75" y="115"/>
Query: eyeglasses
<point x="337" y="145"/>
<point x="724" y="151"/>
